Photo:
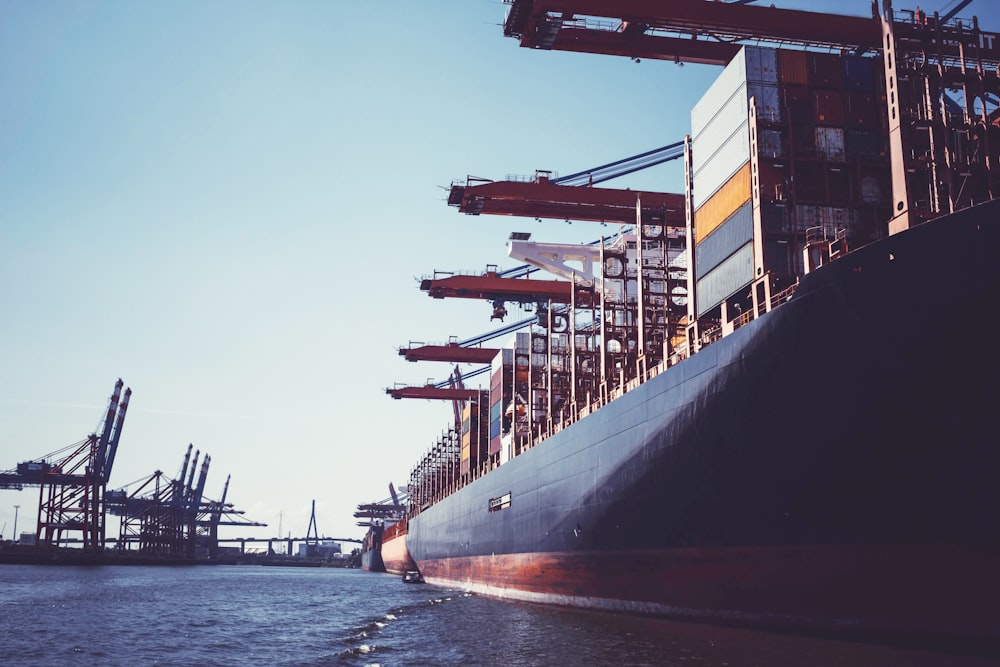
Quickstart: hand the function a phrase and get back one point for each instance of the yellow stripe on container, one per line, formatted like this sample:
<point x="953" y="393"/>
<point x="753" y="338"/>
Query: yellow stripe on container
<point x="723" y="203"/>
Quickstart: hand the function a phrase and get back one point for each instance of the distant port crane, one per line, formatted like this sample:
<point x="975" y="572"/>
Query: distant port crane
<point x="160" y="517"/>
<point x="73" y="481"/>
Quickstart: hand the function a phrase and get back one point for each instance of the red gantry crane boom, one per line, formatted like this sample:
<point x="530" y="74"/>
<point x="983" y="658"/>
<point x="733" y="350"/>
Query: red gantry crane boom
<point x="452" y="352"/>
<point x="694" y="31"/>
<point x="432" y="392"/>
<point x="542" y="198"/>
<point x="492" y="287"/>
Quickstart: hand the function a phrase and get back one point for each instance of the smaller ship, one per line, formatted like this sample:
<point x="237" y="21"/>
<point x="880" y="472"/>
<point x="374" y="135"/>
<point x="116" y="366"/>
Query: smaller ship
<point x="384" y="546"/>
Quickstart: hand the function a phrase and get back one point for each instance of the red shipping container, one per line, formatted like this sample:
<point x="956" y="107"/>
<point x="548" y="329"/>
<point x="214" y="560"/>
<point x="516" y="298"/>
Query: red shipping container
<point x="829" y="108"/>
<point x="799" y="103"/>
<point x="863" y="110"/>
<point x="825" y="71"/>
<point x="793" y="67"/>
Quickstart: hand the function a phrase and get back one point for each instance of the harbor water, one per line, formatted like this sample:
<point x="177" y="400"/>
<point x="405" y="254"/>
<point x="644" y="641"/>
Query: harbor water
<point x="252" y="615"/>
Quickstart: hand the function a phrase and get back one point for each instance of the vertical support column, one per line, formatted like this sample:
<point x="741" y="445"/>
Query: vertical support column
<point x="603" y="329"/>
<point x="693" y="334"/>
<point x="551" y="377"/>
<point x="758" y="228"/>
<point x="640" y="292"/>
<point x="762" y="278"/>
<point x="571" y="326"/>
<point x="900" y="220"/>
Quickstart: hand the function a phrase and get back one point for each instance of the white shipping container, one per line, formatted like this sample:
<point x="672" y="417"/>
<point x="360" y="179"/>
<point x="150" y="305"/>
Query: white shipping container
<point x="731" y="116"/>
<point x="720" y="166"/>
<point x="767" y="98"/>
<point x="760" y="63"/>
<point x="731" y="79"/>
<point x="830" y="143"/>
<point x="753" y="63"/>
<point x="807" y="216"/>
<point x="771" y="143"/>
<point x="836" y="219"/>
<point x="833" y="215"/>
<point x="729" y="277"/>
<point x="871" y="192"/>
<point x="505" y="357"/>
<point x="719" y="120"/>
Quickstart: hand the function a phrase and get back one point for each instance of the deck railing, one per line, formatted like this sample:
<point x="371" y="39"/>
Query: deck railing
<point x="554" y="426"/>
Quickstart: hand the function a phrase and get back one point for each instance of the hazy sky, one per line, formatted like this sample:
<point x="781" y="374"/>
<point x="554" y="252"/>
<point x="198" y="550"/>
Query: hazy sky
<point x="228" y="205"/>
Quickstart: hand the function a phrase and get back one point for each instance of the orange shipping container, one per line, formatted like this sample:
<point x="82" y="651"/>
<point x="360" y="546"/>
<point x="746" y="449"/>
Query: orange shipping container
<point x="723" y="203"/>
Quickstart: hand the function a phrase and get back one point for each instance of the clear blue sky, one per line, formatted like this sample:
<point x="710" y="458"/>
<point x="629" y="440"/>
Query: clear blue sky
<point x="226" y="204"/>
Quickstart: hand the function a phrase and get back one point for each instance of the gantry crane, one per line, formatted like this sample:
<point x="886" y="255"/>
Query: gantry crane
<point x="455" y="351"/>
<point x="451" y="352"/>
<point x="693" y="31"/>
<point x="73" y="482"/>
<point x="466" y="351"/>
<point x="574" y="197"/>
<point x="462" y="447"/>
<point x="945" y="155"/>
<point x="541" y="198"/>
<point x="170" y="518"/>
<point x="493" y="287"/>
<point x="162" y="517"/>
<point x="943" y="158"/>
<point x="435" y="392"/>
<point x="391" y="508"/>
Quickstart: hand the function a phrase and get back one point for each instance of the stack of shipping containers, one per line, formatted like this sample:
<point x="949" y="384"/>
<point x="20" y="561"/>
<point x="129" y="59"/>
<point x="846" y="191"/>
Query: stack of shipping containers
<point x="815" y="151"/>
<point x="521" y="393"/>
<point x="510" y="391"/>
<point x="474" y="437"/>
<point x="720" y="164"/>
<point x="501" y="392"/>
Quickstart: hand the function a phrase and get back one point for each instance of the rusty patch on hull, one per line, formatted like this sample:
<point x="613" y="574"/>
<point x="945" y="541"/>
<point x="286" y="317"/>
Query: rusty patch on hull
<point x="879" y="591"/>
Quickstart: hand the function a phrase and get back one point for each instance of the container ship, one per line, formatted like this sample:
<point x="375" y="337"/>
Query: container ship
<point x="383" y="548"/>
<point x="768" y="400"/>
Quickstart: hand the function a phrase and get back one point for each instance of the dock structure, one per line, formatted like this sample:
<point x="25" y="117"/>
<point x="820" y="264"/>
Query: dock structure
<point x="161" y="518"/>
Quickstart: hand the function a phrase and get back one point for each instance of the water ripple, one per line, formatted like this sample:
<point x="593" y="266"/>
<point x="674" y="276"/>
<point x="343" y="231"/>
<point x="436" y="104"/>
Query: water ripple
<point x="299" y="617"/>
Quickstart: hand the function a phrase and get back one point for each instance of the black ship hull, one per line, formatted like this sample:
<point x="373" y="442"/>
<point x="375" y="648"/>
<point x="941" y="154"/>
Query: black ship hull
<point x="371" y="550"/>
<point x="833" y="465"/>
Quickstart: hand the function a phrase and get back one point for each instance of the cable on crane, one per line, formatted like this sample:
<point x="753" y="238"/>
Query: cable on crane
<point x="625" y="166"/>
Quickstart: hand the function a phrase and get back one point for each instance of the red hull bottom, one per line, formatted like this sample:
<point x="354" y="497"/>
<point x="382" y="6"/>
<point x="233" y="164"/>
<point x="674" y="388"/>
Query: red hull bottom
<point x="933" y="595"/>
